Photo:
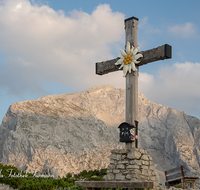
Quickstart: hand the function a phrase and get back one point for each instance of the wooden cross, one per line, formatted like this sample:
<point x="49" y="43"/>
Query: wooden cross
<point x="159" y="53"/>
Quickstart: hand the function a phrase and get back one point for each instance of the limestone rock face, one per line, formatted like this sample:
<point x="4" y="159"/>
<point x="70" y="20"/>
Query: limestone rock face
<point x="54" y="132"/>
<point x="73" y="132"/>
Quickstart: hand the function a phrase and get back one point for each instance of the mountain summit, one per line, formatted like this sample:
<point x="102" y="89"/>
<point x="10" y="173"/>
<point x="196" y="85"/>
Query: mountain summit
<point x="73" y="132"/>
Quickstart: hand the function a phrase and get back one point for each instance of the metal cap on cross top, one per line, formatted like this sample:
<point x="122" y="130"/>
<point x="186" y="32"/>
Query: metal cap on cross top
<point x="131" y="18"/>
<point x="148" y="56"/>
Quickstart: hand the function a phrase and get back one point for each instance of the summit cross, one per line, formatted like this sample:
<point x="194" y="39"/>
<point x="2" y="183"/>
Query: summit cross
<point x="155" y="54"/>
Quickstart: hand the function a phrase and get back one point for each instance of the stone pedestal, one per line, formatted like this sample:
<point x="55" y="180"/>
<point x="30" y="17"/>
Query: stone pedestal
<point x="131" y="165"/>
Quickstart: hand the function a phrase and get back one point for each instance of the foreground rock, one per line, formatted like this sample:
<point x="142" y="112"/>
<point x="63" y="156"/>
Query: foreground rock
<point x="73" y="132"/>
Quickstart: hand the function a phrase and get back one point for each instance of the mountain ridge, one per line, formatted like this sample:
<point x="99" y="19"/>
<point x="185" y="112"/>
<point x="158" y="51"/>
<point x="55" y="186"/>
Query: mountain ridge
<point x="70" y="132"/>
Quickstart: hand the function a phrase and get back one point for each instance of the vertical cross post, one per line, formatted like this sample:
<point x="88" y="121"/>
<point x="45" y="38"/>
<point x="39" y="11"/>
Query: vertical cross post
<point x="131" y="26"/>
<point x="149" y="56"/>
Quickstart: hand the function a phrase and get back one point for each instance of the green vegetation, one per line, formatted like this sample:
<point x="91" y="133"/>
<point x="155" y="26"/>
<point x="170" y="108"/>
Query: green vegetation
<point x="28" y="182"/>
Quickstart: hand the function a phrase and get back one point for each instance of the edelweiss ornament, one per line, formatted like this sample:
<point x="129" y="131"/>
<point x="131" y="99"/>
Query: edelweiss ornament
<point x="129" y="59"/>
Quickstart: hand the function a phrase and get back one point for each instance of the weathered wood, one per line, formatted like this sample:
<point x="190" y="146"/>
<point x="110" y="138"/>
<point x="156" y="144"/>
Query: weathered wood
<point x="174" y="176"/>
<point x="159" y="53"/>
<point x="152" y="55"/>
<point x="172" y="183"/>
<point x="114" y="184"/>
<point x="131" y="26"/>
<point x="156" y="54"/>
<point x="132" y="101"/>
<point x="191" y="180"/>
<point x="174" y="170"/>
<point x="106" y="67"/>
<point x="132" y="97"/>
<point x="183" y="172"/>
<point x="177" y="175"/>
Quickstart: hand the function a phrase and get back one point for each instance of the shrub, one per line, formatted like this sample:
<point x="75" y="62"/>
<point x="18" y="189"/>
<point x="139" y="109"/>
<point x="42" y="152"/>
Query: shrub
<point x="68" y="175"/>
<point x="84" y="173"/>
<point x="103" y="171"/>
<point x="96" y="172"/>
<point x="34" y="183"/>
<point x="96" y="179"/>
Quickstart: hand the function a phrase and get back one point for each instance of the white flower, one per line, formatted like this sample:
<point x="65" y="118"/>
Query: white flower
<point x="129" y="59"/>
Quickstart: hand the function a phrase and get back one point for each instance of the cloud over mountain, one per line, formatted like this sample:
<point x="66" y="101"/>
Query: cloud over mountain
<point x="176" y="86"/>
<point x="41" y="45"/>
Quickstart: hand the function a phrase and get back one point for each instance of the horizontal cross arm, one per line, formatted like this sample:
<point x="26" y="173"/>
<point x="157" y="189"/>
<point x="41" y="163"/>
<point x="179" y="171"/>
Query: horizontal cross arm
<point x="106" y="67"/>
<point x="155" y="54"/>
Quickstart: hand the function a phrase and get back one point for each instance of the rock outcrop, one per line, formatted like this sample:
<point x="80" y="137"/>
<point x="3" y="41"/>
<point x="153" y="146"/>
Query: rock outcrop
<point x="73" y="132"/>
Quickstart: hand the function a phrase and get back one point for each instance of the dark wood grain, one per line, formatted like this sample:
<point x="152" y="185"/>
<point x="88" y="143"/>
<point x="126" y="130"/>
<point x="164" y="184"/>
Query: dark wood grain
<point x="174" y="176"/>
<point x="174" y="170"/>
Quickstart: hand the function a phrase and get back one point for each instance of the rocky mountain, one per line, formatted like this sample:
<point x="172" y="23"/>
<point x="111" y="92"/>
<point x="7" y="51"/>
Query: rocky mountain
<point x="73" y="132"/>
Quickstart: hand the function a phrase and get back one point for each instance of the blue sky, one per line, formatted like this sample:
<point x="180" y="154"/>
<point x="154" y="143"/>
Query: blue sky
<point x="50" y="47"/>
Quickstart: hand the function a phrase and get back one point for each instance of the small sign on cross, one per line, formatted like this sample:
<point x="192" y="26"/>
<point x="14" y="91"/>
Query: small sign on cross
<point x="155" y="54"/>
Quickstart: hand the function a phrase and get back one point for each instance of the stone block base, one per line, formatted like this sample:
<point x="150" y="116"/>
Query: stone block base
<point x="131" y="165"/>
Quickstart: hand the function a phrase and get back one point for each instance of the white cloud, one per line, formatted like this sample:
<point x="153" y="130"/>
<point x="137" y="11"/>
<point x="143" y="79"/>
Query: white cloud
<point x="41" y="45"/>
<point x="176" y="86"/>
<point x="183" y="30"/>
<point x="143" y="24"/>
<point x="146" y="81"/>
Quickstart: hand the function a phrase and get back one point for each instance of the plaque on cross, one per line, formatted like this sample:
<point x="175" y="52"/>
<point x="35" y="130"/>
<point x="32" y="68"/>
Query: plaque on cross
<point x="155" y="54"/>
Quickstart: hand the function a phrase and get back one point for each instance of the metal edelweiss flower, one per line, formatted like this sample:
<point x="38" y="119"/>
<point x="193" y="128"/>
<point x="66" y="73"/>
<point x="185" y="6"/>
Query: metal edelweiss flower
<point x="129" y="59"/>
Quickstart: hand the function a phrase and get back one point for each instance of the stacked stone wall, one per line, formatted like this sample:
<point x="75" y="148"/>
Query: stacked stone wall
<point x="131" y="165"/>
